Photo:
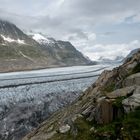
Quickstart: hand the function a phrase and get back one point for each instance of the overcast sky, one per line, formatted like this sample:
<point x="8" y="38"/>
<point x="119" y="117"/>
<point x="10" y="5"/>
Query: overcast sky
<point x="105" y="28"/>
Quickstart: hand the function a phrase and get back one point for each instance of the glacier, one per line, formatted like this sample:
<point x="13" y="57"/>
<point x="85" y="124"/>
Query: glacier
<point x="28" y="98"/>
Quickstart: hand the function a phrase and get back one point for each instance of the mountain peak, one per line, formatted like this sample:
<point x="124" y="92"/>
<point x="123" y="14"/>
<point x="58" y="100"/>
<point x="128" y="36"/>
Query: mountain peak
<point x="41" y="39"/>
<point x="8" y="29"/>
<point x="4" y="22"/>
<point x="34" y="49"/>
<point x="10" y="33"/>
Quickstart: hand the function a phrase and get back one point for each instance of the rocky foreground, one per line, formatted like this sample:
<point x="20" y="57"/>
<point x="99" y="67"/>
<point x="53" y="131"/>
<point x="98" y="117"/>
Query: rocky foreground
<point x="108" y="110"/>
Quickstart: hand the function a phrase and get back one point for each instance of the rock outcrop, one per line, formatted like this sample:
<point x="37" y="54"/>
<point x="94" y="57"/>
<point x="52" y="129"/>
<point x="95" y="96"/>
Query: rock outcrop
<point x="112" y="97"/>
<point x="132" y="80"/>
<point x="132" y="102"/>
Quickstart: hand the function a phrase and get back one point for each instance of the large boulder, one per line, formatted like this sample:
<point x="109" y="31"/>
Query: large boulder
<point x="132" y="80"/>
<point x="133" y="101"/>
<point x="65" y="128"/>
<point x="127" y="91"/>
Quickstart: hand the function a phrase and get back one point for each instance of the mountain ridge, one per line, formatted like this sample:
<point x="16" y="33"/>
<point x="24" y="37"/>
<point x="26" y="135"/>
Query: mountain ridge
<point x="22" y="52"/>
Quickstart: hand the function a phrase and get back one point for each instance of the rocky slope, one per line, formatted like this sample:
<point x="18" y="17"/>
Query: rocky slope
<point x="26" y="102"/>
<point x="131" y="54"/>
<point x="19" y="51"/>
<point x="62" y="51"/>
<point x="108" y="110"/>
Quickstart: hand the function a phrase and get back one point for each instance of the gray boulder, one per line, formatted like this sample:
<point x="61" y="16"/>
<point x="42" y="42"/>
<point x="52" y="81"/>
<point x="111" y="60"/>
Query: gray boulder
<point x="132" y="80"/>
<point x="127" y="91"/>
<point x="133" y="101"/>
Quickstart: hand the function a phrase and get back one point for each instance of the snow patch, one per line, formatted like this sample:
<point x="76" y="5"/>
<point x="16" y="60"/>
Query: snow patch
<point x="20" y="41"/>
<point x="86" y="57"/>
<point x="8" y="39"/>
<point x="25" y="56"/>
<point x="38" y="37"/>
<point x="41" y="39"/>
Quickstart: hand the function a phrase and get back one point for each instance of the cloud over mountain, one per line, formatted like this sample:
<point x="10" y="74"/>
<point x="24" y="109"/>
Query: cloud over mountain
<point x="104" y="22"/>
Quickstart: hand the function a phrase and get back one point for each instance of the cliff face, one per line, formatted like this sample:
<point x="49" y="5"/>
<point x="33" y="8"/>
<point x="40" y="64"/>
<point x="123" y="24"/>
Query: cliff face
<point x="109" y="109"/>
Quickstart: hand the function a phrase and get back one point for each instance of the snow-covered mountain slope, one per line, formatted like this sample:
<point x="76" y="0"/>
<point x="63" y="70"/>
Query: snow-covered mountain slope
<point x="63" y="51"/>
<point x="41" y="39"/>
<point x="11" y="33"/>
<point x="19" y="51"/>
<point x="8" y="39"/>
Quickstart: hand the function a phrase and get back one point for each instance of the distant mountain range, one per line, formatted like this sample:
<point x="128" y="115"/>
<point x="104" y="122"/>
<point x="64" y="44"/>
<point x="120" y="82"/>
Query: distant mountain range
<point x="104" y="60"/>
<point x="19" y="51"/>
<point x="117" y="59"/>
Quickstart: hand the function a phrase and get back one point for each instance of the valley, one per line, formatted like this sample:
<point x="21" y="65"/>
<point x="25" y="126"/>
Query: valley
<point x="38" y="94"/>
<point x="69" y="70"/>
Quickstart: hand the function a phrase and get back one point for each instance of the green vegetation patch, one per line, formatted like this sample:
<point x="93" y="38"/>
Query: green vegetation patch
<point x="109" y="88"/>
<point x="83" y="129"/>
<point x="131" y="124"/>
<point x="80" y="131"/>
<point x="105" y="132"/>
<point x="126" y="128"/>
<point x="8" y="52"/>
<point x="118" y="102"/>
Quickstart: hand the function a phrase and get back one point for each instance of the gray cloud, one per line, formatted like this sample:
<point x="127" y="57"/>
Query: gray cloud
<point x="71" y="13"/>
<point x="84" y="22"/>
